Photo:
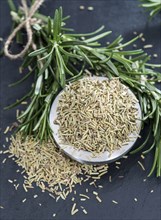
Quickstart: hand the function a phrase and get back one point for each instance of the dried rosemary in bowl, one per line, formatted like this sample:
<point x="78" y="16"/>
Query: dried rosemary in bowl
<point x="97" y="116"/>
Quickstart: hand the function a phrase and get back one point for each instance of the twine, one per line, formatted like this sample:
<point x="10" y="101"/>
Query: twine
<point x="29" y="12"/>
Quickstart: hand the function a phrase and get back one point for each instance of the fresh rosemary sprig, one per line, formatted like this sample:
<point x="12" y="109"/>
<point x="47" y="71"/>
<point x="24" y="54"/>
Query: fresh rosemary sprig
<point x="63" y="56"/>
<point x="153" y="6"/>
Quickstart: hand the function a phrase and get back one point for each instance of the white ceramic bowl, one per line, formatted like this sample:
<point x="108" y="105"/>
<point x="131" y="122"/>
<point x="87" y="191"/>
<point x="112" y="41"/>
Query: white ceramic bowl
<point x="85" y="156"/>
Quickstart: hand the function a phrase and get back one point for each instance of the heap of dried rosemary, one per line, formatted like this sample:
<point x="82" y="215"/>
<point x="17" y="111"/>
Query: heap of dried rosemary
<point x="96" y="115"/>
<point x="49" y="168"/>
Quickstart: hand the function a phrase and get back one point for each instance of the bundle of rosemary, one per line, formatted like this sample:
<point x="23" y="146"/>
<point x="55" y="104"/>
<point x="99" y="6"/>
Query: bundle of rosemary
<point x="62" y="56"/>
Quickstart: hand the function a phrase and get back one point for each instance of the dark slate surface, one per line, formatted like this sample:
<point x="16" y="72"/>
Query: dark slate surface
<point x="122" y="17"/>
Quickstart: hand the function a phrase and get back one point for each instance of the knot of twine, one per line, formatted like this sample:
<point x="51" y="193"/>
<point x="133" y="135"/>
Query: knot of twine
<point x="27" y="22"/>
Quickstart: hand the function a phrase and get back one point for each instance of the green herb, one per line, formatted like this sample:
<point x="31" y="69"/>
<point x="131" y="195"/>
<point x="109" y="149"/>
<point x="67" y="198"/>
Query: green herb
<point x="63" y="56"/>
<point x="154" y="6"/>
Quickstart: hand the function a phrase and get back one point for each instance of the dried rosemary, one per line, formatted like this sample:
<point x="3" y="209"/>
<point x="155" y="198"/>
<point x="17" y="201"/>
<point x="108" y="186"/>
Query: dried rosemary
<point x="49" y="168"/>
<point x="97" y="116"/>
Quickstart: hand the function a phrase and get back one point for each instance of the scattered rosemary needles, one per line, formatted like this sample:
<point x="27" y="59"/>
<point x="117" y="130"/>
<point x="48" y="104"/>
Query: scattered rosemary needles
<point x="96" y="115"/>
